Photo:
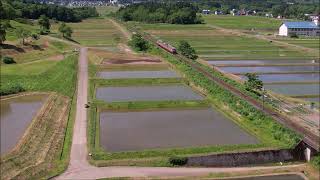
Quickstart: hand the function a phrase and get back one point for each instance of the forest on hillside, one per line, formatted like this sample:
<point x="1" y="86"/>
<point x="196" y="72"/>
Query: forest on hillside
<point x="12" y="9"/>
<point x="154" y="12"/>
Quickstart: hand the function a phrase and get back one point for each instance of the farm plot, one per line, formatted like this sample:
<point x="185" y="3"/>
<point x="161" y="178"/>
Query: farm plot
<point x="136" y="74"/>
<point x="16" y="115"/>
<point x="95" y="32"/>
<point x="146" y="93"/>
<point x="296" y="78"/>
<point x="213" y="44"/>
<point x="143" y="100"/>
<point x="134" y="131"/>
<point x="255" y="23"/>
<point x="278" y="78"/>
<point x="309" y="43"/>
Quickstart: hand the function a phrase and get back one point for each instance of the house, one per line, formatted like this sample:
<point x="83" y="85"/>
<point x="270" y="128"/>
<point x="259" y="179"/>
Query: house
<point x="218" y="12"/>
<point x="269" y="15"/>
<point x="302" y="28"/>
<point x="206" y="11"/>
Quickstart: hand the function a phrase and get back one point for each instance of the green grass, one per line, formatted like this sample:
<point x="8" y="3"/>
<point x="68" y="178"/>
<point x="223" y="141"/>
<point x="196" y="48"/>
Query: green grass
<point x="244" y="22"/>
<point x="94" y="32"/>
<point x="106" y="10"/>
<point x="11" y="33"/>
<point x="33" y="68"/>
<point x="309" y="43"/>
<point x="213" y="44"/>
<point x="59" y="78"/>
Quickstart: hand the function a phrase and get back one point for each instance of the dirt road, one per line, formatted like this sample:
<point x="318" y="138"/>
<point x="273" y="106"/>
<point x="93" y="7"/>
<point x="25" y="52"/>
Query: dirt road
<point x="79" y="168"/>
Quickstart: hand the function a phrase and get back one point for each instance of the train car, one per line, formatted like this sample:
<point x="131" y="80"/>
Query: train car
<point x="167" y="47"/>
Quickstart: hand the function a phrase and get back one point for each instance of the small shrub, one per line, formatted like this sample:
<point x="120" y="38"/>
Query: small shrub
<point x="178" y="161"/>
<point x="138" y="43"/>
<point x="293" y="35"/>
<point x="8" y="60"/>
<point x="13" y="89"/>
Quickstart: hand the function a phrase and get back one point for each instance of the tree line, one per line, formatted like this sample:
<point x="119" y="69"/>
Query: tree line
<point x="11" y="9"/>
<point x="158" y="12"/>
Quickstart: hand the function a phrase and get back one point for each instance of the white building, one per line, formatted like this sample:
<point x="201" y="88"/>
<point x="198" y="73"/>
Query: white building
<point x="302" y="28"/>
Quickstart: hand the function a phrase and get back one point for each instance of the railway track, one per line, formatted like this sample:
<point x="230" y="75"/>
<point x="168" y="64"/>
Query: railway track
<point x="308" y="137"/>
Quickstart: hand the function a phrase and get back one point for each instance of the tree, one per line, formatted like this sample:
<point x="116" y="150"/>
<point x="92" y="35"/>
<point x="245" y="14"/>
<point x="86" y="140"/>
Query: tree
<point x="186" y="50"/>
<point x="253" y="82"/>
<point x="44" y="23"/>
<point x="65" y="30"/>
<point x="138" y="43"/>
<point x="2" y="33"/>
<point x="23" y="34"/>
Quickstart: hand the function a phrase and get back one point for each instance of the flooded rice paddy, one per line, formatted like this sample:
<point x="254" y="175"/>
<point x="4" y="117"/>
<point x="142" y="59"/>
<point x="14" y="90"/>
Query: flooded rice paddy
<point x="137" y="74"/>
<point x="146" y="93"/>
<point x="269" y="78"/>
<point x="16" y="115"/>
<point x="133" y="131"/>
<point x="294" y="89"/>
<point x="270" y="69"/>
<point x="260" y="62"/>
<point x="272" y="177"/>
<point x="313" y="99"/>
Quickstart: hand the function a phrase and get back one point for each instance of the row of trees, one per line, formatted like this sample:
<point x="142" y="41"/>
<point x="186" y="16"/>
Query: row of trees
<point x="11" y="9"/>
<point x="295" y="9"/>
<point x="155" y="12"/>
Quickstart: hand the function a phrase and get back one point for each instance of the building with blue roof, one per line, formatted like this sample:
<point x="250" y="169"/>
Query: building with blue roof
<point x="301" y="28"/>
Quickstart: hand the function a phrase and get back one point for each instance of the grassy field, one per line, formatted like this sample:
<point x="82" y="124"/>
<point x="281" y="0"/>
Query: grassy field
<point x="213" y="44"/>
<point x="313" y="43"/>
<point x="94" y="32"/>
<point x="261" y="24"/>
<point x="106" y="10"/>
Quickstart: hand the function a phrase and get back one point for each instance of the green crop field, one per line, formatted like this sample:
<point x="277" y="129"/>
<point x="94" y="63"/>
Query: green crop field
<point x="94" y="32"/>
<point x="244" y="22"/>
<point x="310" y="43"/>
<point x="106" y="10"/>
<point x="211" y="43"/>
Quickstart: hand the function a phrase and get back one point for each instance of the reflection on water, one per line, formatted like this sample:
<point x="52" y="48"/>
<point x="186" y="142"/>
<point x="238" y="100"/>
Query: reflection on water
<point x="146" y="93"/>
<point x="16" y="115"/>
<point x="136" y="74"/>
<point x="133" y="131"/>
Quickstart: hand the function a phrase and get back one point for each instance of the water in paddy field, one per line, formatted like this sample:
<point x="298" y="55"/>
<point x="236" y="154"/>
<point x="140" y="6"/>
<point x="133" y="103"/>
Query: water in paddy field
<point x="272" y="177"/>
<point x="260" y="62"/>
<point x="267" y="69"/>
<point x="136" y="74"/>
<point x="294" y="89"/>
<point x="312" y="99"/>
<point x="269" y="78"/>
<point x="134" y="131"/>
<point x="146" y="93"/>
<point x="16" y="115"/>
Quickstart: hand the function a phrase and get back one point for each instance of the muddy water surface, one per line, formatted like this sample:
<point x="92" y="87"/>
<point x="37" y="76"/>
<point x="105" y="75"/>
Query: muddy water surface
<point x="275" y="177"/>
<point x="273" y="69"/>
<point x="260" y="62"/>
<point x="269" y="78"/>
<point x="16" y="115"/>
<point x="294" y="89"/>
<point x="133" y="131"/>
<point x="136" y="74"/>
<point x="146" y="93"/>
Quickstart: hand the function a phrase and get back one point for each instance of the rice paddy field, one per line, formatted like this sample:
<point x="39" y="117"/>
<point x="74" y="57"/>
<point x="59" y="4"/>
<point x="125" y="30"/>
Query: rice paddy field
<point x="142" y="115"/>
<point x="95" y="32"/>
<point x="214" y="44"/>
<point x="313" y="43"/>
<point x="299" y="79"/>
<point x="257" y="23"/>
